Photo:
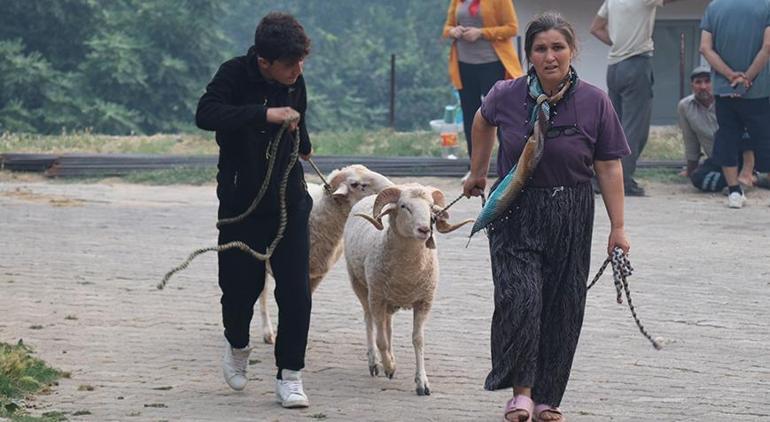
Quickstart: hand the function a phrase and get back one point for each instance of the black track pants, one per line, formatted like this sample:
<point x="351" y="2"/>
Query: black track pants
<point x="242" y="278"/>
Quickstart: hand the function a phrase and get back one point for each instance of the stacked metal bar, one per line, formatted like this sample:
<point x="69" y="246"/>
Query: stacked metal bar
<point x="27" y="162"/>
<point x="111" y="165"/>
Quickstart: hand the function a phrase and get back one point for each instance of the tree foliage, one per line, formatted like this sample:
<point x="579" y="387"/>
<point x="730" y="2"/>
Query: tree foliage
<point x="139" y="66"/>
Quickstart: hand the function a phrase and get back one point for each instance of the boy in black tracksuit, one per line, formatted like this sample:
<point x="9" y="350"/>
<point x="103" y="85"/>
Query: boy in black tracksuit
<point x="245" y="103"/>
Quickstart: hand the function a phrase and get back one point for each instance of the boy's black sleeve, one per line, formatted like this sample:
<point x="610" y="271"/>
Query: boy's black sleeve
<point x="215" y="108"/>
<point x="305" y="147"/>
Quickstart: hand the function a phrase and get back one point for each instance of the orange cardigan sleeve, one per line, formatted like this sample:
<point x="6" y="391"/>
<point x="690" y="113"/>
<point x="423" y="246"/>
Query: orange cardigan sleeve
<point x="508" y="24"/>
<point x="451" y="18"/>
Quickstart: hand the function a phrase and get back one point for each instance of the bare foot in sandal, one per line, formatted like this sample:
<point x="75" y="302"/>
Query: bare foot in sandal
<point x="546" y="413"/>
<point x="550" y="416"/>
<point x="519" y="409"/>
<point x="517" y="416"/>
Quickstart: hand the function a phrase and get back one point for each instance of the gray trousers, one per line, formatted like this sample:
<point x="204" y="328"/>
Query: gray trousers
<point x="541" y="256"/>
<point x="629" y="85"/>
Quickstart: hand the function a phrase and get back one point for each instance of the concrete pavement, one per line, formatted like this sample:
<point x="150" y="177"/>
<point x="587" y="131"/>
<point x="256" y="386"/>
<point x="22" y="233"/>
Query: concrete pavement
<point x="82" y="261"/>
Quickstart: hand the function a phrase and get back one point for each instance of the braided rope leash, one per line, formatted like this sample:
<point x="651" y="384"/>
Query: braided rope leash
<point x="456" y="200"/>
<point x="272" y="153"/>
<point x="327" y="186"/>
<point x="621" y="269"/>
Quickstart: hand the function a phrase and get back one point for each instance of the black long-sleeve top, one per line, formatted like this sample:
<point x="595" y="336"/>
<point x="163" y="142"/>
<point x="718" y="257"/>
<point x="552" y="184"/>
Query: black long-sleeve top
<point x="235" y="106"/>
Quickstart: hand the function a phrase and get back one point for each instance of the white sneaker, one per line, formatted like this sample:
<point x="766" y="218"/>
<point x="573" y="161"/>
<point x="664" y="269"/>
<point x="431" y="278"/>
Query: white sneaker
<point x="736" y="200"/>
<point x="289" y="390"/>
<point x="234" y="364"/>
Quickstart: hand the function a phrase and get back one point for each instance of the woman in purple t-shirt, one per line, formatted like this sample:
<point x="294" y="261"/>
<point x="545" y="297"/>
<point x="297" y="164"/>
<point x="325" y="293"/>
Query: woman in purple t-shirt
<point x="541" y="248"/>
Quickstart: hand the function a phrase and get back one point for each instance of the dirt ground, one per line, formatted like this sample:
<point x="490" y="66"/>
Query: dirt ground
<point x="79" y="265"/>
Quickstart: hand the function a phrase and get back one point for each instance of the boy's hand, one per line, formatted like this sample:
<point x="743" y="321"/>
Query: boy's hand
<point x="278" y="115"/>
<point x="306" y="157"/>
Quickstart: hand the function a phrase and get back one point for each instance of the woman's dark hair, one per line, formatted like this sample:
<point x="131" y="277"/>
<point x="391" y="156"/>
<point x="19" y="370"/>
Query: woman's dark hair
<point x="279" y="36"/>
<point x="546" y="22"/>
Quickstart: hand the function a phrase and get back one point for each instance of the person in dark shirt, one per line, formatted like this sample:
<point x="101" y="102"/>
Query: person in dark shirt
<point x="541" y="248"/>
<point x="246" y="103"/>
<point x="735" y="40"/>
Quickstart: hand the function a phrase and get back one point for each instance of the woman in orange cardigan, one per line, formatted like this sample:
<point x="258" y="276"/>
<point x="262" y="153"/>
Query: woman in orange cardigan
<point x="482" y="51"/>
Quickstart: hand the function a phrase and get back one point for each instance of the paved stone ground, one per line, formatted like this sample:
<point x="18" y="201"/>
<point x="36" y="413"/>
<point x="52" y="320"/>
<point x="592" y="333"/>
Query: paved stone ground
<point x="79" y="263"/>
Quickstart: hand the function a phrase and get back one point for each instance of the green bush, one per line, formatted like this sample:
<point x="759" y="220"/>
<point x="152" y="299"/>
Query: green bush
<point x="21" y="375"/>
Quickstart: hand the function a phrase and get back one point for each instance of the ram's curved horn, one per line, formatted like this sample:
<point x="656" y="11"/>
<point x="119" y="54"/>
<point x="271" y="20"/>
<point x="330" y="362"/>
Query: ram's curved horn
<point x="443" y="226"/>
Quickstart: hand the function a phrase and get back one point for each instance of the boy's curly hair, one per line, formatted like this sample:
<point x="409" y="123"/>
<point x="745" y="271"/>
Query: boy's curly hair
<point x="279" y="36"/>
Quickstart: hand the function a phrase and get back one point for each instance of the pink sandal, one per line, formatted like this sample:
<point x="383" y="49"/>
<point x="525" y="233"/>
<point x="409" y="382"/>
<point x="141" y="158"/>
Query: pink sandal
<point x="520" y="402"/>
<point x="540" y="408"/>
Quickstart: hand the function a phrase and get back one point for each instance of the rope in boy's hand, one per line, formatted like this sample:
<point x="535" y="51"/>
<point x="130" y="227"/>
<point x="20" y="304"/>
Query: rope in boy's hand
<point x="272" y="151"/>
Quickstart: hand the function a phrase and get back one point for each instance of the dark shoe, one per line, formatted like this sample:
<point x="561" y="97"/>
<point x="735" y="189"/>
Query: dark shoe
<point x="634" y="190"/>
<point x="763" y="180"/>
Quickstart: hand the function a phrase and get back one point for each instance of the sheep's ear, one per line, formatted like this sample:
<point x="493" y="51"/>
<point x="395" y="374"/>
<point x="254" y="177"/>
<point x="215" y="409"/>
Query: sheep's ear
<point x="337" y="179"/>
<point x="442" y="226"/>
<point x="438" y="198"/>
<point x="341" y="192"/>
<point x="382" y="181"/>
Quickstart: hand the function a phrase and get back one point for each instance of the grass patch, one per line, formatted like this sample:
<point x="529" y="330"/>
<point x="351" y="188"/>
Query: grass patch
<point x="382" y="142"/>
<point x="665" y="143"/>
<point x="174" y="176"/>
<point x="87" y="142"/>
<point x="22" y="375"/>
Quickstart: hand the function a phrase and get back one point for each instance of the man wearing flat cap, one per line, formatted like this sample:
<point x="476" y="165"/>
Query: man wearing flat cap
<point x="698" y="122"/>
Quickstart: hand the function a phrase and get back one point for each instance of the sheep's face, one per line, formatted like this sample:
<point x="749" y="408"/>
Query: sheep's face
<point x="411" y="215"/>
<point x="353" y="183"/>
<point x="412" y="209"/>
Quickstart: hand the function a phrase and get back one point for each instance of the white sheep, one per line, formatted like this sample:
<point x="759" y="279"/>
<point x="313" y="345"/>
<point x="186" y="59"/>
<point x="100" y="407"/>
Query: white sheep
<point x="393" y="265"/>
<point x="327" y="219"/>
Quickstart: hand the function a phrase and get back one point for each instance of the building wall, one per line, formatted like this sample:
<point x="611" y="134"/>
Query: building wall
<point x="591" y="63"/>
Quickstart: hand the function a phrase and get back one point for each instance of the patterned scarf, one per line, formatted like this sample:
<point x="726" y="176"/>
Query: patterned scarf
<point x="536" y="92"/>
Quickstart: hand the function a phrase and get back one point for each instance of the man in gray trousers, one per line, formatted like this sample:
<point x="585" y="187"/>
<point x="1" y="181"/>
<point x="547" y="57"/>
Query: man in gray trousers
<point x="626" y="26"/>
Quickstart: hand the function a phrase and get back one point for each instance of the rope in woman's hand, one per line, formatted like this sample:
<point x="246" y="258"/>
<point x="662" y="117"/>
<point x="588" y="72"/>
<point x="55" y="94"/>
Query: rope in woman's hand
<point x="621" y="269"/>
